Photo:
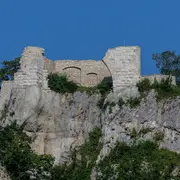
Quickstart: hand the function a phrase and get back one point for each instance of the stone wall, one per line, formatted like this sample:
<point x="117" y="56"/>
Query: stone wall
<point x="84" y="72"/>
<point x="120" y="63"/>
<point x="124" y="65"/>
<point x="49" y="65"/>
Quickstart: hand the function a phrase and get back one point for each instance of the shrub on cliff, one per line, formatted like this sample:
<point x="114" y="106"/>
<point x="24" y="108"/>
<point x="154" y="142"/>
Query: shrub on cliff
<point x="143" y="160"/>
<point x="164" y="88"/>
<point x="61" y="84"/>
<point x="144" y="85"/>
<point x="18" y="158"/>
<point x="83" y="160"/>
<point x="105" y="86"/>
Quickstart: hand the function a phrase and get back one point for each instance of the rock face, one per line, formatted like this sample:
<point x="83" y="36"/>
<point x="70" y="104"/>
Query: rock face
<point x="162" y="117"/>
<point x="58" y="122"/>
<point x="55" y="122"/>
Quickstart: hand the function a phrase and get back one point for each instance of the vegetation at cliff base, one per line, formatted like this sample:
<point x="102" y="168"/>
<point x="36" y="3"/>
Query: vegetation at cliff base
<point x="82" y="160"/>
<point x="17" y="157"/>
<point x="139" y="161"/>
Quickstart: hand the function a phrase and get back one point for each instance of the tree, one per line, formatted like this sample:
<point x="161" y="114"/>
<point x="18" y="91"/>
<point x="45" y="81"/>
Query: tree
<point x="19" y="159"/>
<point x="9" y="68"/>
<point x="168" y="63"/>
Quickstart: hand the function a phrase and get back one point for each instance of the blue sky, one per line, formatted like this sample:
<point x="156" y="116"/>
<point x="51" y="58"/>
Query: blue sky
<point x="85" y="29"/>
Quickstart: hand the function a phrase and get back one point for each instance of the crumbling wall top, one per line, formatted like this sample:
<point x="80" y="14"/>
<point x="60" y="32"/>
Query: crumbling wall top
<point x="32" y="58"/>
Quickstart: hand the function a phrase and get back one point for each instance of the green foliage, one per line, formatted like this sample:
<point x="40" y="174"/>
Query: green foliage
<point x="144" y="85"/>
<point x="168" y="63"/>
<point x="104" y="87"/>
<point x="133" y="101"/>
<point x="88" y="90"/>
<point x="9" y="68"/>
<point x="144" y="131"/>
<point x="134" y="133"/>
<point x="137" y="134"/>
<point x="139" y="161"/>
<point x="4" y="112"/>
<point x="83" y="160"/>
<point x="101" y="104"/>
<point x="61" y="84"/>
<point x="120" y="102"/>
<point x="18" y="158"/>
<point x="158" y="136"/>
<point x="164" y="89"/>
<point x="111" y="105"/>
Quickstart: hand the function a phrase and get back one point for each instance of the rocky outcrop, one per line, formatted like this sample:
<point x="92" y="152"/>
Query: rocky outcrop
<point x="54" y="121"/>
<point x="149" y="118"/>
<point x="58" y="122"/>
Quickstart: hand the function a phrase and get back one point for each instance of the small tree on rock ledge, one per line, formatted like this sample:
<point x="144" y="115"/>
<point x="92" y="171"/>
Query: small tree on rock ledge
<point x="168" y="63"/>
<point x="8" y="68"/>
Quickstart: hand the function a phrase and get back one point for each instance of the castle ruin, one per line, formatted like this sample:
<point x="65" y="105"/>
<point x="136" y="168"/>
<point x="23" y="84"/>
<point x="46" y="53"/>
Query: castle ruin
<point x="122" y="64"/>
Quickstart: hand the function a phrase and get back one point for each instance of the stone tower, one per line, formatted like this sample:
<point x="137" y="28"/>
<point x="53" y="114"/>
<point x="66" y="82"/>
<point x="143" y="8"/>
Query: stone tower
<point x="124" y="65"/>
<point x="31" y="68"/>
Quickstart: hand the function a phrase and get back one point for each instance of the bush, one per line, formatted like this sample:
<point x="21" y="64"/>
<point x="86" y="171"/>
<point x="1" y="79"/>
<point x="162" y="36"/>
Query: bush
<point x="120" y="102"/>
<point x="164" y="88"/>
<point x="134" y="101"/>
<point x="144" y="85"/>
<point x="83" y="160"/>
<point x="143" y="160"/>
<point x="104" y="87"/>
<point x="61" y="84"/>
<point x="158" y="136"/>
<point x="18" y="158"/>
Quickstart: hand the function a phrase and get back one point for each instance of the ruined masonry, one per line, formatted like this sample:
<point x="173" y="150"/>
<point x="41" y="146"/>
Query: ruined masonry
<point x="122" y="64"/>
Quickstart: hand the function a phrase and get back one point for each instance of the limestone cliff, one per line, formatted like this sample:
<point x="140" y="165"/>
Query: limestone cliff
<point x="58" y="122"/>
<point x="55" y="122"/>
